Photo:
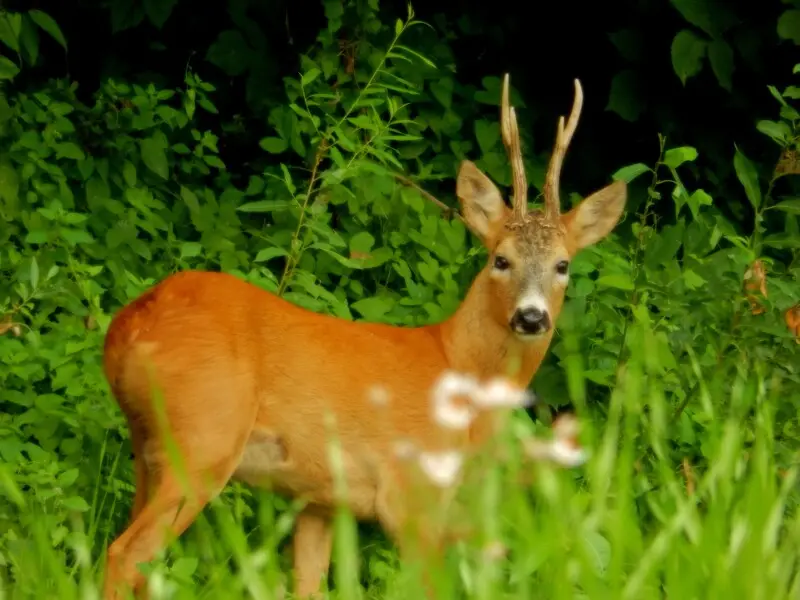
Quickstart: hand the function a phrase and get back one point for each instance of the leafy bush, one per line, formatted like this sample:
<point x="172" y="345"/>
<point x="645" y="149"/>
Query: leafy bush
<point x="661" y="348"/>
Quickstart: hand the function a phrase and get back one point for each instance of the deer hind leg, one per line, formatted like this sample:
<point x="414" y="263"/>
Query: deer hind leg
<point x="140" y="472"/>
<point x="313" y="541"/>
<point x="210" y="444"/>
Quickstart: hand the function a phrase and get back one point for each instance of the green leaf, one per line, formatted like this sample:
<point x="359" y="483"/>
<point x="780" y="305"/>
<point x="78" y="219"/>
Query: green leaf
<point x="10" y="29"/>
<point x="154" y="156"/>
<point x="782" y="241"/>
<point x="190" y="199"/>
<point x="158" y="11"/>
<point x="697" y="13"/>
<point x="69" y="150"/>
<point x="76" y="236"/>
<point x="697" y="199"/>
<point x="29" y="40"/>
<point x="631" y="172"/>
<point x="791" y="206"/>
<point x="620" y="281"/>
<point x="413" y="199"/>
<point x="376" y="258"/>
<point x="629" y="43"/>
<point x="442" y="90"/>
<point x="190" y="249"/>
<point x="310" y="76"/>
<point x="748" y="177"/>
<point x="9" y="187"/>
<point x="599" y="549"/>
<point x="255" y="185"/>
<point x="213" y="161"/>
<point x="488" y="134"/>
<point x="67" y="478"/>
<point x="362" y="242"/>
<point x="261" y="206"/>
<point x="675" y="157"/>
<point x="777" y="130"/>
<point x="230" y="53"/>
<point x="625" y="97"/>
<point x="273" y="145"/>
<point x="789" y="25"/>
<point x="269" y="253"/>
<point x="692" y="280"/>
<point x="8" y="70"/>
<point x="129" y="173"/>
<point x="34" y="273"/>
<point x="720" y="55"/>
<point x="48" y="24"/>
<point x="184" y="567"/>
<point x="687" y="54"/>
<point x="75" y="503"/>
<point x="372" y="309"/>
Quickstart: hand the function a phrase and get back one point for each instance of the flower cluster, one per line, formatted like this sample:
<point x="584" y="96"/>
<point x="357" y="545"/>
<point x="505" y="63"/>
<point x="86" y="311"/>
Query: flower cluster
<point x="457" y="400"/>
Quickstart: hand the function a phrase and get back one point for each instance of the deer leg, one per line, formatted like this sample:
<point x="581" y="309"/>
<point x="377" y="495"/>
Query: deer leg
<point x="169" y="511"/>
<point x="140" y="472"/>
<point x="208" y="431"/>
<point x="313" y="542"/>
<point x="414" y="529"/>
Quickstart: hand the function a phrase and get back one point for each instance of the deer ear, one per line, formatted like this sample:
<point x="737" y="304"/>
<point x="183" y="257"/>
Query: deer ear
<point x="595" y="217"/>
<point x="481" y="203"/>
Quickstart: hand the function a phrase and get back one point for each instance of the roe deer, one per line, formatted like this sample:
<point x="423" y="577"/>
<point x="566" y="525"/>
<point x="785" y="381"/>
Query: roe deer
<point x="246" y="379"/>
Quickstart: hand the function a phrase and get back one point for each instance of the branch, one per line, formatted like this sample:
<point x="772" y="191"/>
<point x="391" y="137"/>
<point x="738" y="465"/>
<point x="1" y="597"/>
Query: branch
<point x="446" y="209"/>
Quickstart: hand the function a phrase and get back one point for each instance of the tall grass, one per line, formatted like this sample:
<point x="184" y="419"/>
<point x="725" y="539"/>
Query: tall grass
<point x="636" y="522"/>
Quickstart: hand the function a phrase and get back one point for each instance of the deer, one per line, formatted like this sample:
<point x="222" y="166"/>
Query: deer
<point x="245" y="379"/>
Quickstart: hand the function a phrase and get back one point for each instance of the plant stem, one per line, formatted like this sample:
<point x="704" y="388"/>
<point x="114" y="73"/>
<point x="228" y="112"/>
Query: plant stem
<point x="294" y="256"/>
<point x="640" y="244"/>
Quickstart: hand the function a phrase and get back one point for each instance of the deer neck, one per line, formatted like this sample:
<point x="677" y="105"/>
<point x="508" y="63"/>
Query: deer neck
<point x="475" y="342"/>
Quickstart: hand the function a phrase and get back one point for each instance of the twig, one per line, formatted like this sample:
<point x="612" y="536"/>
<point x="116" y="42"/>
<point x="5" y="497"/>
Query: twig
<point x="294" y="257"/>
<point x="446" y="209"/>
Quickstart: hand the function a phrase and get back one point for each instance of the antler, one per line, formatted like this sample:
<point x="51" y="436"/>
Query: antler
<point x="552" y="201"/>
<point x="510" y="131"/>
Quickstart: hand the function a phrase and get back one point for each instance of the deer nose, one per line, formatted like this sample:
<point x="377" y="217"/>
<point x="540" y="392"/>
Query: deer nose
<point x="530" y="321"/>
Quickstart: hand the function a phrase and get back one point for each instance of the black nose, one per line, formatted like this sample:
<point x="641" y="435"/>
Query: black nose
<point x="530" y="321"/>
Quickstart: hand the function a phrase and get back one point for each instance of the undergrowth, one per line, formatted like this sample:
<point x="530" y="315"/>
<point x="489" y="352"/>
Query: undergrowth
<point x="673" y="346"/>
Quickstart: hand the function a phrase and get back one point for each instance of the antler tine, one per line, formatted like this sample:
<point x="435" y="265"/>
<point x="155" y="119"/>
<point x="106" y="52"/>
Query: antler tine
<point x="552" y="200"/>
<point x="510" y="131"/>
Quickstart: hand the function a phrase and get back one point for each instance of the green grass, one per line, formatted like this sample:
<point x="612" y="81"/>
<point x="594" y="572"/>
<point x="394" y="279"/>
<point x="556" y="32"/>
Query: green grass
<point x="637" y="522"/>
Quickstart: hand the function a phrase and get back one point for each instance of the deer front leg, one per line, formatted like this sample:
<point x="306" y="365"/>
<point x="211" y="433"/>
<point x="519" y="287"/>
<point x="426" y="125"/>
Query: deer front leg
<point x="415" y="526"/>
<point x="313" y="539"/>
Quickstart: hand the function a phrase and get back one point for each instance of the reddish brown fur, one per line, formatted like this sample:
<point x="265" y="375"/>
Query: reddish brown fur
<point x="247" y="380"/>
<point x="792" y="318"/>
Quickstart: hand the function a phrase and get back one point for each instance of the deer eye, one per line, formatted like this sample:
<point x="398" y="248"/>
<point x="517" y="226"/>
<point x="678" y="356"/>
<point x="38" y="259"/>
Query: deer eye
<point x="562" y="267"/>
<point x="501" y="263"/>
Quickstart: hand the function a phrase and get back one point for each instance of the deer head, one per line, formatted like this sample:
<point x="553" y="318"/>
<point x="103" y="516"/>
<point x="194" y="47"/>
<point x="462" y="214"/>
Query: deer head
<point x="530" y="251"/>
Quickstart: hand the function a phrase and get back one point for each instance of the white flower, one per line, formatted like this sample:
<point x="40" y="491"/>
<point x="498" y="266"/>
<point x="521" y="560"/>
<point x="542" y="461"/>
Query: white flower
<point x="445" y="411"/>
<point x="566" y="454"/>
<point x="443" y="467"/>
<point x="563" y="449"/>
<point x="565" y="427"/>
<point x="499" y="393"/>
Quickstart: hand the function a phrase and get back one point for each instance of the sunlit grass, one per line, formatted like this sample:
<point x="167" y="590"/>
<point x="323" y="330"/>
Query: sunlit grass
<point x="636" y="522"/>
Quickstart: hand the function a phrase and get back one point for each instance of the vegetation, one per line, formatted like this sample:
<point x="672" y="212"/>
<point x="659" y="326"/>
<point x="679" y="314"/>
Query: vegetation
<point x="319" y="163"/>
